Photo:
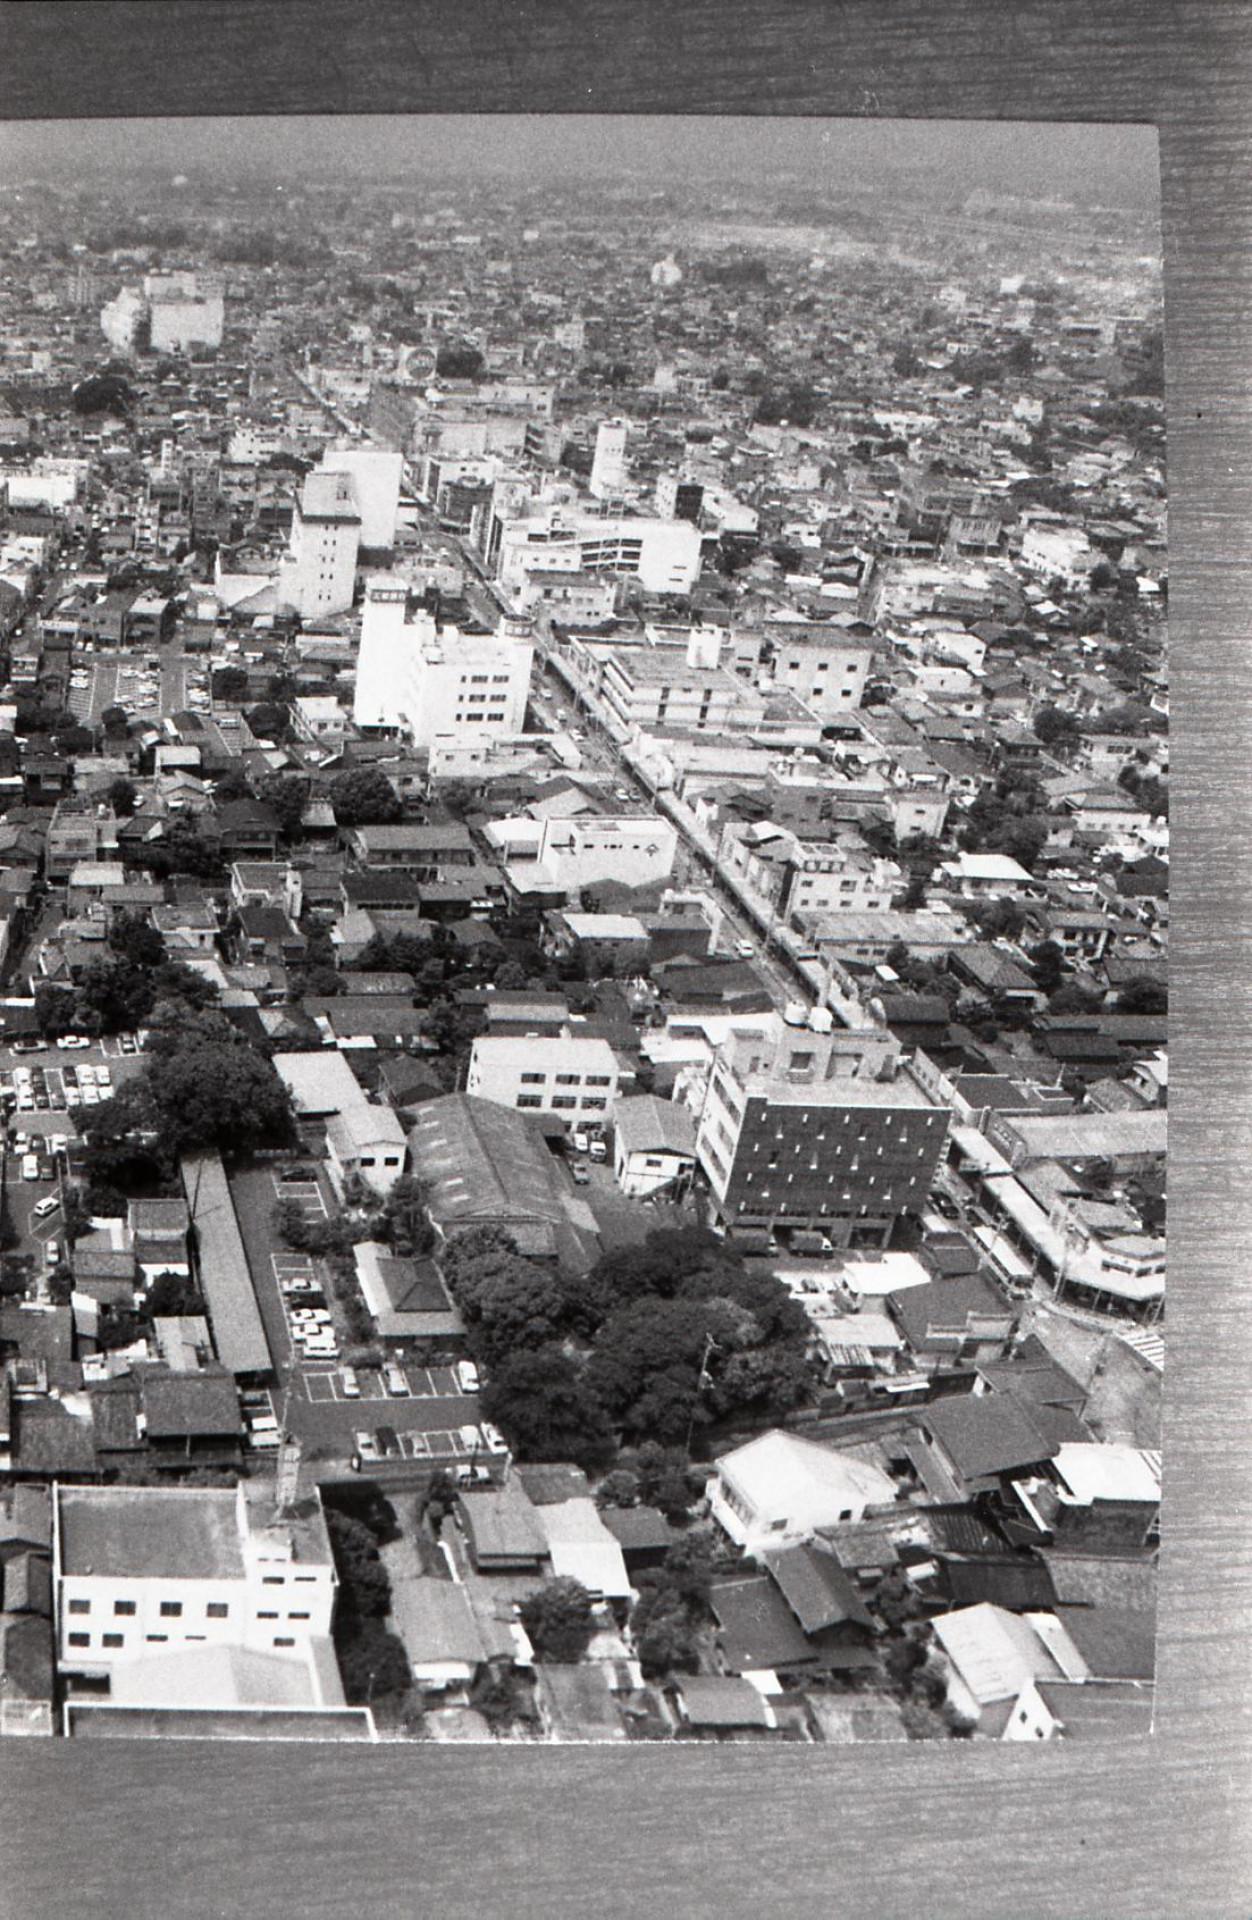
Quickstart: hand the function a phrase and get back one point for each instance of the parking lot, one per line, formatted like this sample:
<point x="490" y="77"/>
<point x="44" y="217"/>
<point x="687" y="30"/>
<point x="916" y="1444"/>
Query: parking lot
<point x="423" y="1383"/>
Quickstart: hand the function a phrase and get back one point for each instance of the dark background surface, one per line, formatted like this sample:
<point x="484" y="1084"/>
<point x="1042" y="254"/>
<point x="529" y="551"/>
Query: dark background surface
<point x="1155" y="1830"/>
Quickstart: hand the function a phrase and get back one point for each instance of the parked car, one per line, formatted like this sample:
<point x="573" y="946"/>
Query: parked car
<point x="30" y="1166"/>
<point x="351" y="1385"/>
<point x="579" y="1140"/>
<point x="598" y="1151"/>
<point x="467" y="1376"/>
<point x="746" y="949"/>
<point x="52" y="1253"/>
<point x="28" y="1046"/>
<point x="395" y="1380"/>
<point x="367" y="1447"/>
<point x="579" y="1175"/>
<point x="471" y="1438"/>
<point x="70" y="1042"/>
<point x="468" y="1475"/>
<point x="44" y="1207"/>
<point x="496" y="1442"/>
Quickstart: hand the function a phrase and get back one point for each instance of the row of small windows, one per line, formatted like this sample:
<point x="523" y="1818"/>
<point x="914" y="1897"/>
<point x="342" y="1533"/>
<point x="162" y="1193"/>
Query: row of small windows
<point x="568" y="1079"/>
<point x="563" y="1102"/>
<point x="112" y="1640"/>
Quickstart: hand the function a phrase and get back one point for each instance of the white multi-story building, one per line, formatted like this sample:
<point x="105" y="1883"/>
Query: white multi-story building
<point x="376" y="473"/>
<point x="608" y="465"/>
<point x="578" y="852"/>
<point x="432" y="683"/>
<point x="319" y="574"/>
<point x="574" y="1077"/>
<point x="142" y="1573"/>
<point x="183" y="311"/>
<point x="664" y="555"/>
<point x="827" y="669"/>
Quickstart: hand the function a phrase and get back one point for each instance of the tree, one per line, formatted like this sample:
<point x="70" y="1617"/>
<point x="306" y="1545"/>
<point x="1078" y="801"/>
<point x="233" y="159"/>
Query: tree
<point x="133" y="938"/>
<point x="372" y="1662"/>
<point x="121" y="795"/>
<point x="116" y="724"/>
<point x="1055" y="727"/>
<point x="558" y="1620"/>
<point x="458" y="360"/>
<point x="1047" y="962"/>
<point x="406" y="1223"/>
<point x="269" y="721"/>
<point x="364" y="797"/>
<point x="542" y="1404"/>
<point x="1143" y="995"/>
<point x="199" y="1093"/>
<point x="365" y="1586"/>
<point x="102" y="393"/>
<point x="174" y="1294"/>
<point x="74" y="741"/>
<point x="230" y="684"/>
<point x="288" y="794"/>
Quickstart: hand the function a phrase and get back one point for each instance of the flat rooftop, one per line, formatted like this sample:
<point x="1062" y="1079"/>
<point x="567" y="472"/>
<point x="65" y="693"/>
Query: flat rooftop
<point x="136" y="1533"/>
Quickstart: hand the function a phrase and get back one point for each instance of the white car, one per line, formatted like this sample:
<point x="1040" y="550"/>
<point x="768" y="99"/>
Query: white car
<point x="44" y="1207"/>
<point x="471" y="1438"/>
<point x="496" y="1442"/>
<point x="394" y="1380"/>
<point x="351" y="1385"/>
<point x="367" y="1446"/>
<point x="30" y="1166"/>
<point x="467" y="1376"/>
<point x="70" y="1042"/>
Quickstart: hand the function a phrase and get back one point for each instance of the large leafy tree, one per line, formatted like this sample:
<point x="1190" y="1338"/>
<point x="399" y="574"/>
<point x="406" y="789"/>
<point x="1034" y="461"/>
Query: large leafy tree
<point x="364" y="797"/>
<point x="558" y="1620"/>
<point x="538" y="1398"/>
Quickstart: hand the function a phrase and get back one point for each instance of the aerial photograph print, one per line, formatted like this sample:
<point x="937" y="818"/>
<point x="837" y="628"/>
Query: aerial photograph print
<point x="584" y="925"/>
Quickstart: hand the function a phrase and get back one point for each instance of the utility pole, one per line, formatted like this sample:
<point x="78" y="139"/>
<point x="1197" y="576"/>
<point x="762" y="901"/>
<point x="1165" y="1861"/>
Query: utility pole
<point x="705" y="1380"/>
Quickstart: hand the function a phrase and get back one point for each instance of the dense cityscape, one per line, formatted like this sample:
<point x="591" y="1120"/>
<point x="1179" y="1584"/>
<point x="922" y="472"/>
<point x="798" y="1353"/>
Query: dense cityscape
<point x="584" y="925"/>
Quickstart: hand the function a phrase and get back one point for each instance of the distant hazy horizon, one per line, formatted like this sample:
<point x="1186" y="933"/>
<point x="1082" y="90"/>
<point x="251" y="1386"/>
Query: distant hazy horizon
<point x="1111" y="165"/>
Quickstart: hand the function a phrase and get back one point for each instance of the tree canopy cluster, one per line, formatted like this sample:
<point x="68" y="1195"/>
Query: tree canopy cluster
<point x="655" y="1343"/>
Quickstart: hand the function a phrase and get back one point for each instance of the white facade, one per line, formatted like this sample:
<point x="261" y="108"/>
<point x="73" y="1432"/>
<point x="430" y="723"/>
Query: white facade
<point x="436" y="685"/>
<point x="141" y="1572"/>
<point x="319" y="574"/>
<point x="635" y="850"/>
<point x="829" y="675"/>
<point x="608" y="466"/>
<point x="178" y="323"/>
<point x="376" y="473"/>
<point x="120" y="319"/>
<point x="573" y="1077"/>
<point x="663" y="554"/>
<point x="1052" y="550"/>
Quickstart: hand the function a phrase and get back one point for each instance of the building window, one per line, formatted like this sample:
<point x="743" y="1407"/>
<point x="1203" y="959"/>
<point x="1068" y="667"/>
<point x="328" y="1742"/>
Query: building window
<point x="594" y="1105"/>
<point x="273" y="1580"/>
<point x="80" y="1639"/>
<point x="530" y="1099"/>
<point x="124" y="1608"/>
<point x="599" y="1080"/>
<point x="569" y="1079"/>
<point x="283" y="1640"/>
<point x="114" y="1639"/>
<point x="171" y="1609"/>
<point x="297" y="1616"/>
<point x="534" y="1079"/>
<point x="80" y="1606"/>
<point x="162" y="1637"/>
<point x="262" y="1615"/>
<point x="217" y="1610"/>
<point x="564" y="1101"/>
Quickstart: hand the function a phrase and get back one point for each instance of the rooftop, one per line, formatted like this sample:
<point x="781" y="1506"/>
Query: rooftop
<point x="137" y="1533"/>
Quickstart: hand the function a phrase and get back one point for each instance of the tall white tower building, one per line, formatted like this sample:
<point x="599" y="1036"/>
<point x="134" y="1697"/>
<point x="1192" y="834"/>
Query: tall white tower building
<point x="432" y="683"/>
<point x="608" y="467"/>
